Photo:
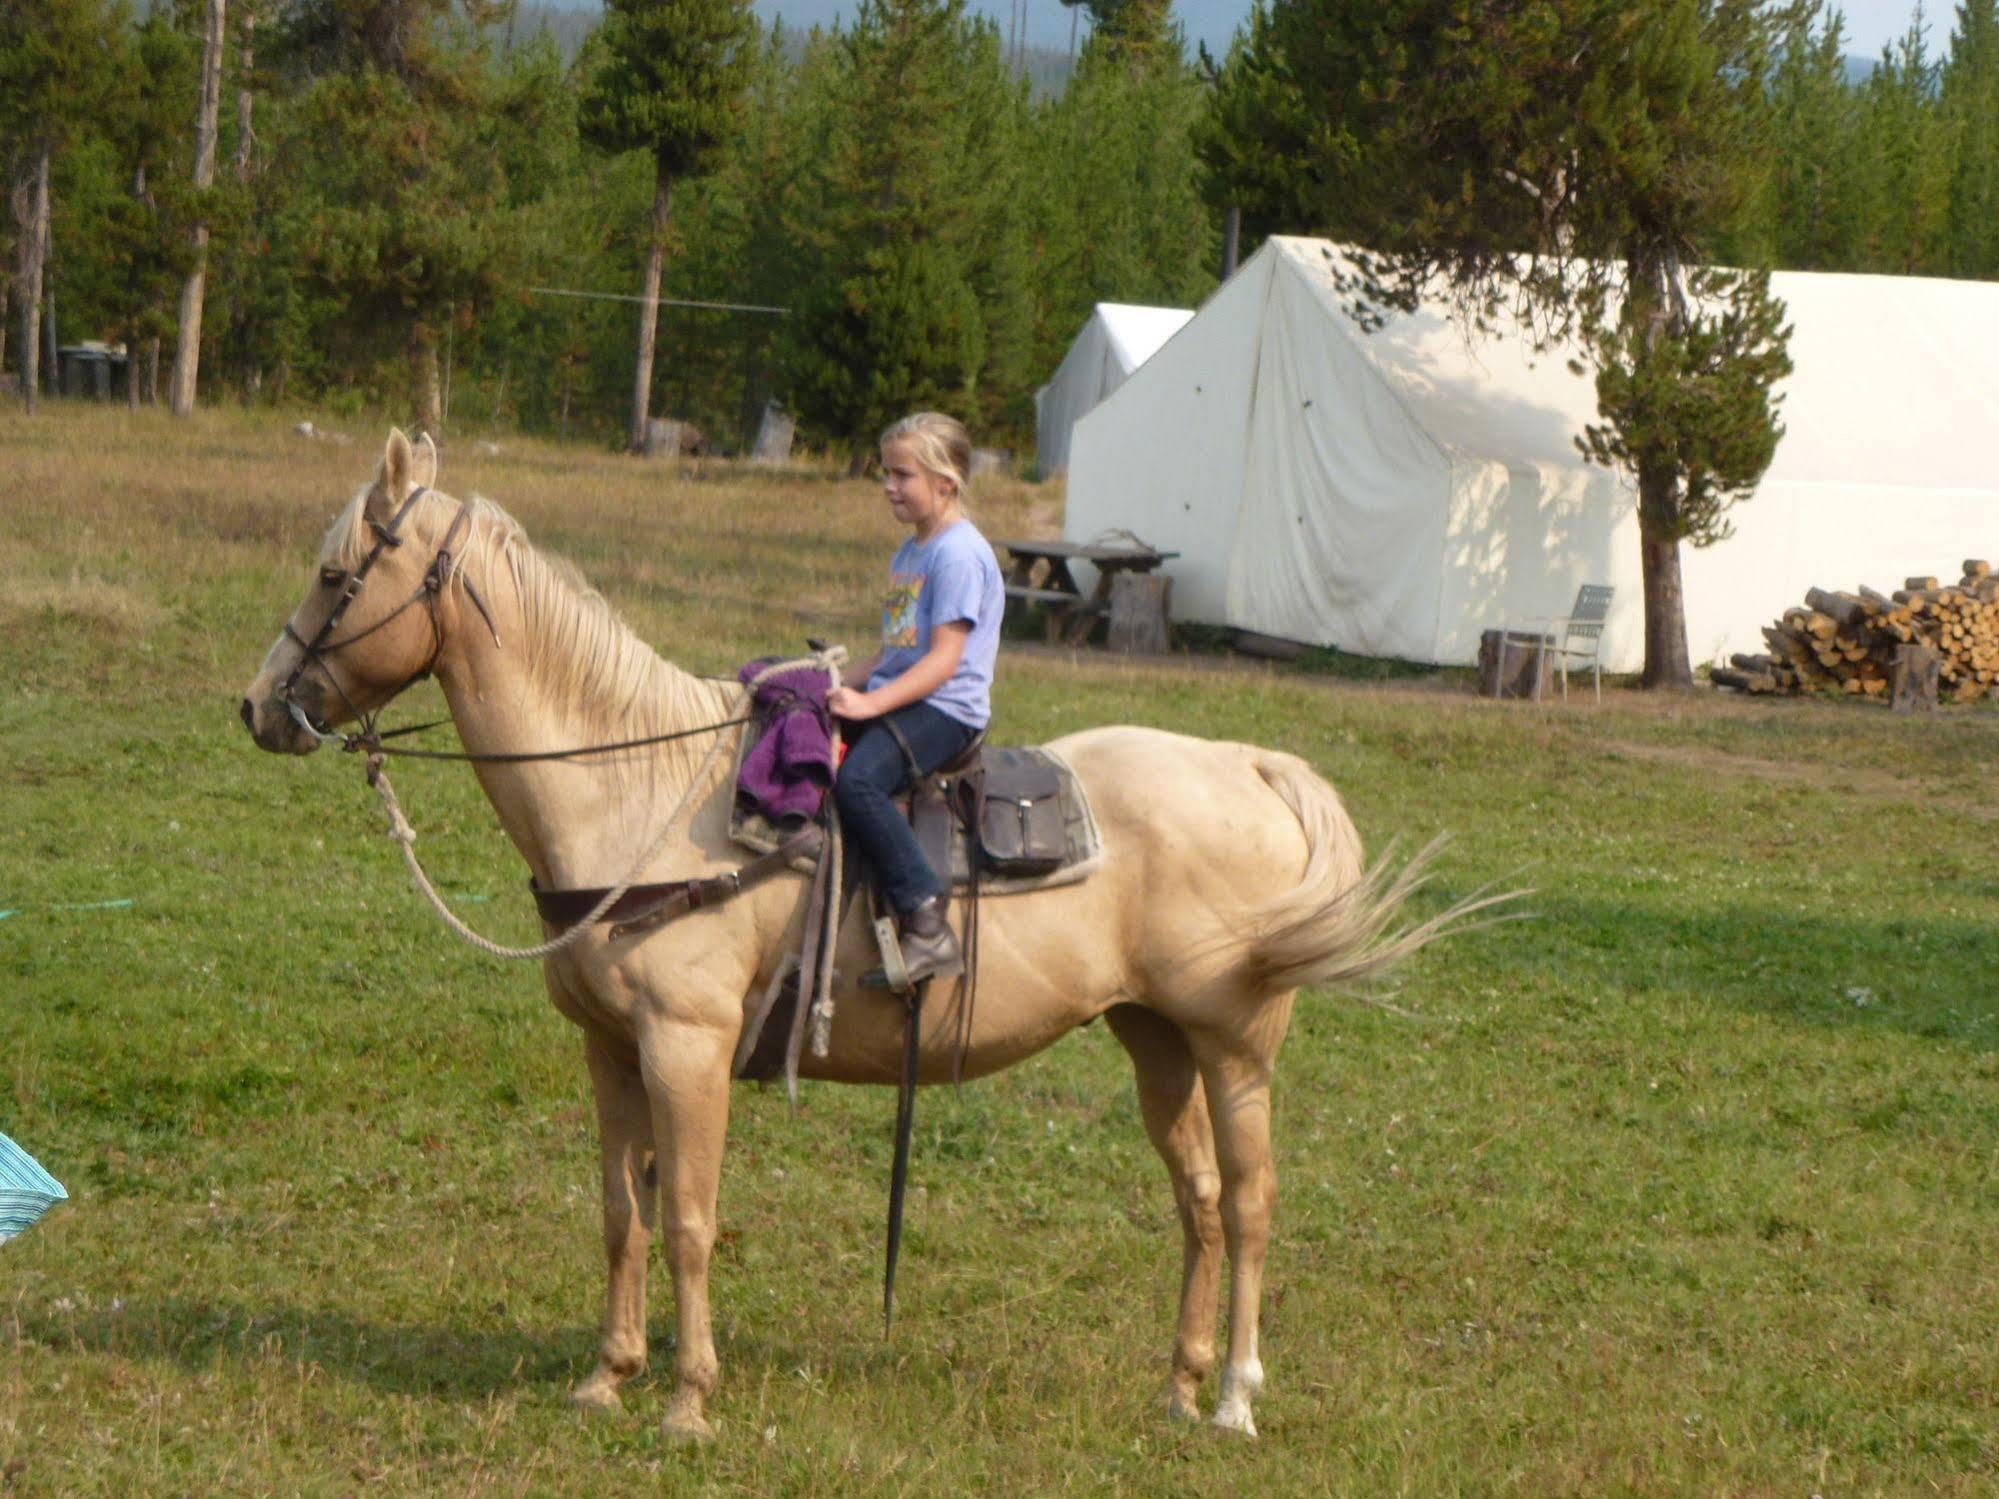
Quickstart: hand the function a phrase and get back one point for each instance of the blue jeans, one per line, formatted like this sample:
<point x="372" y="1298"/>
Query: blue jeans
<point x="875" y="768"/>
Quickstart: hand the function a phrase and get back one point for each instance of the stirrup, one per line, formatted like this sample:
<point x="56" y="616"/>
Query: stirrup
<point x="894" y="973"/>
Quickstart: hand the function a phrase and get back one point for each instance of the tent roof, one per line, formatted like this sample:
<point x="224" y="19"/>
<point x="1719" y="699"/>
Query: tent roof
<point x="1135" y="332"/>
<point x="1888" y="387"/>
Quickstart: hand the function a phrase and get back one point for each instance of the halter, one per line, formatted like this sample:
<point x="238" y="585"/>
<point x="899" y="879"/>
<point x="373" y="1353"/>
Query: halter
<point x="314" y="652"/>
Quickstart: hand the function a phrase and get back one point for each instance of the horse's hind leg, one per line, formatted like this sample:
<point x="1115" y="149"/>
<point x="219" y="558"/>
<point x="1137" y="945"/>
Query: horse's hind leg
<point x="1176" y="1119"/>
<point x="631" y="1199"/>
<point x="1235" y="1071"/>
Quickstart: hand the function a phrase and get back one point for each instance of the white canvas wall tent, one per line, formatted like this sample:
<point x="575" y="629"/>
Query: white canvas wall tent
<point x="1116" y="340"/>
<point x="1394" y="493"/>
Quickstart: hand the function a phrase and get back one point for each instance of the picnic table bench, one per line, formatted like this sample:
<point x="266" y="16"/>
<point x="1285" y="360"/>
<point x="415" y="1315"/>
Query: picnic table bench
<point x="1038" y="574"/>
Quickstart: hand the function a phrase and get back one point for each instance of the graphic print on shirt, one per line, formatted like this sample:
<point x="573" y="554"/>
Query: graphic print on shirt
<point x="899" y="609"/>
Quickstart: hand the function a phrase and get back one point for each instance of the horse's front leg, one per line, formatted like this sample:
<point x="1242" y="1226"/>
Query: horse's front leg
<point x="631" y="1201"/>
<point x="686" y="1069"/>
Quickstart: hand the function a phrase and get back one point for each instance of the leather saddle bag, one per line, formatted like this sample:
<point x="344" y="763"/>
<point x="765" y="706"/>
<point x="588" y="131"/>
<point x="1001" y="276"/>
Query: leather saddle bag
<point x="1017" y="803"/>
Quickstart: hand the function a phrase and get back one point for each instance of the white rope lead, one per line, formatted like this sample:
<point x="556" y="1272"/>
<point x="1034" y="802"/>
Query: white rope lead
<point x="400" y="830"/>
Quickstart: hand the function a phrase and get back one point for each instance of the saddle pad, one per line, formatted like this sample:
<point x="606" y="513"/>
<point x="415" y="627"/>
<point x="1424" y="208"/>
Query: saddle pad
<point x="1083" y="849"/>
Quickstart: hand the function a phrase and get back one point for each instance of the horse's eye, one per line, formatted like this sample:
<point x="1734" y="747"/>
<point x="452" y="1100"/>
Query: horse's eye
<point x="331" y="577"/>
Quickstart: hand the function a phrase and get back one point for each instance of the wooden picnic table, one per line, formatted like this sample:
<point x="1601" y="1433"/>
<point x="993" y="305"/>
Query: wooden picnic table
<point x="1038" y="573"/>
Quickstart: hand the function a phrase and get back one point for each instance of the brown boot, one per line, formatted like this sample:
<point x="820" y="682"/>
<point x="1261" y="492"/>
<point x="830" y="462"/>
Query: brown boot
<point x="929" y="947"/>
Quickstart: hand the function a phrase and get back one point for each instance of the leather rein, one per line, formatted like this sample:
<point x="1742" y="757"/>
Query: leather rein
<point x="631" y="907"/>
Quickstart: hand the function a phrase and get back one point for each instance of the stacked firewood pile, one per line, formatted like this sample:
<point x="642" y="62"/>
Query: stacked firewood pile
<point x="1847" y="642"/>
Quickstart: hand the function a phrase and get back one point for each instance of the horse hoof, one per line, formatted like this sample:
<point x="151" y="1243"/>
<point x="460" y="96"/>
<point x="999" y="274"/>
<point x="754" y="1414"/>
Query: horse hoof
<point x="685" y="1426"/>
<point x="1236" y="1419"/>
<point x="1182" y="1407"/>
<point x="596" y="1394"/>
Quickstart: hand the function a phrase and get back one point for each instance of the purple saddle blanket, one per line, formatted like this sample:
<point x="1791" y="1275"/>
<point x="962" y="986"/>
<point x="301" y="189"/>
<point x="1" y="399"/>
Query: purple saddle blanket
<point x="787" y="772"/>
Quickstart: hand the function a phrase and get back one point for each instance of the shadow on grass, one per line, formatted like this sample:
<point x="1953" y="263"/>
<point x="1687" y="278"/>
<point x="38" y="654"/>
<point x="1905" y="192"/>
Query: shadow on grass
<point x="446" y="1362"/>
<point x="1844" y="971"/>
<point x="459" y="1362"/>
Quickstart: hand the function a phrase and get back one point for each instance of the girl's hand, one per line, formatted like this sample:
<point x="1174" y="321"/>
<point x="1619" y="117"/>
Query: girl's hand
<point x="845" y="702"/>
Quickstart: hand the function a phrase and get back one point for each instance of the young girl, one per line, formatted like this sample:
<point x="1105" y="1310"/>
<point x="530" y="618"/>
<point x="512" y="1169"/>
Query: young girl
<point x="928" y="690"/>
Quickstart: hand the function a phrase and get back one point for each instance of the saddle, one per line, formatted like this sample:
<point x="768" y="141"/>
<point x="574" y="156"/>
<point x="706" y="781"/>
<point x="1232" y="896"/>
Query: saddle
<point x="992" y="822"/>
<point x="1015" y="816"/>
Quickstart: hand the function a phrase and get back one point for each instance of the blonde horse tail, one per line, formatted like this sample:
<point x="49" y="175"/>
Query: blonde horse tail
<point x="1337" y="928"/>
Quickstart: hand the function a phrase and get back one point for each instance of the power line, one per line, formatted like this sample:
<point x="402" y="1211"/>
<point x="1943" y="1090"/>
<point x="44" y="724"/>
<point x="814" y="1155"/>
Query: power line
<point x="616" y="296"/>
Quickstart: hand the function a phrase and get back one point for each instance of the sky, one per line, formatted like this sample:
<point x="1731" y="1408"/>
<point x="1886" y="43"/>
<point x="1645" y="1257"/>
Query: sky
<point x="1870" y="24"/>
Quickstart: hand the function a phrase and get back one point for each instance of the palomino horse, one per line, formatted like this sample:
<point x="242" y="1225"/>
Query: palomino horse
<point x="1231" y="876"/>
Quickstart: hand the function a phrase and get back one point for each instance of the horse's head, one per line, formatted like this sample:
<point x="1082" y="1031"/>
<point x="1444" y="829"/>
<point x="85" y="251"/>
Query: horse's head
<point x="369" y="623"/>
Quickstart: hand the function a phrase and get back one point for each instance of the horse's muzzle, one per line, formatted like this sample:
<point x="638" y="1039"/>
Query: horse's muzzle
<point x="271" y="724"/>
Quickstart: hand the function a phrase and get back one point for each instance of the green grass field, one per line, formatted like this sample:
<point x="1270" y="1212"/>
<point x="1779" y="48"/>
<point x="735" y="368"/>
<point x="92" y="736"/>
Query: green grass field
<point x="1685" y="1187"/>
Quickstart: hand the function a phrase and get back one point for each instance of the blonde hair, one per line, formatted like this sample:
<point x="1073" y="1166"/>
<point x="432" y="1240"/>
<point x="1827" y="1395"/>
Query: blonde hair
<point x="941" y="444"/>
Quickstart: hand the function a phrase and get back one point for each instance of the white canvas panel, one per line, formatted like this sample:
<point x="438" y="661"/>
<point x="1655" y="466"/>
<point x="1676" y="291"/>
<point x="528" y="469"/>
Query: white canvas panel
<point x="1522" y="540"/>
<point x="1136" y="333"/>
<point x="1896" y="383"/>
<point x="1339" y="538"/>
<point x="1792" y="537"/>
<point x="1116" y="340"/>
<point x="1164" y="457"/>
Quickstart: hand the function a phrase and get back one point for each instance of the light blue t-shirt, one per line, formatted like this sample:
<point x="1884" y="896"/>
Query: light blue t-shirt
<point x="951" y="577"/>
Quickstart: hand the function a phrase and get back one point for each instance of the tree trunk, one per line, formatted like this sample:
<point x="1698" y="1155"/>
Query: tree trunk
<point x="6" y="292"/>
<point x="153" y="370"/>
<point x="187" y="343"/>
<point x="246" y="137"/>
<point x="51" y="344"/>
<point x="31" y="212"/>
<point x="1653" y="294"/>
<point x="662" y="203"/>
<point x="426" y="399"/>
<point x="1666" y="664"/>
<point x="144" y="199"/>
<point x="1231" y="239"/>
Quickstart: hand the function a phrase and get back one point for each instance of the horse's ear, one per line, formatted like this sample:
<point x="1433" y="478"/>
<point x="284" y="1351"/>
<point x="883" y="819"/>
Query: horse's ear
<point x="392" y="476"/>
<point x="423" y="463"/>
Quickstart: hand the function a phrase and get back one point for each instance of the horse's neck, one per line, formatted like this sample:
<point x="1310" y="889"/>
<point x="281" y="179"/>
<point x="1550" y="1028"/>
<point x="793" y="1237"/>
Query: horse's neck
<point x="582" y="822"/>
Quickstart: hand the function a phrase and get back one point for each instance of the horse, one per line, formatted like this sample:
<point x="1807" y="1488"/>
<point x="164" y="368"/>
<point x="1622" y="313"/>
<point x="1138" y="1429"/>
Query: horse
<point x="1230" y="877"/>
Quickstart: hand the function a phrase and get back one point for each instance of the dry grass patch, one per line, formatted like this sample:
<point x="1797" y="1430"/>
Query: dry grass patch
<point x="113" y="609"/>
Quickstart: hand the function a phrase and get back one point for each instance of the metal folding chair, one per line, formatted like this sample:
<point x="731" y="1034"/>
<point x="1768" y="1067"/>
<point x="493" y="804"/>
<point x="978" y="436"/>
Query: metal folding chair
<point x="1576" y="636"/>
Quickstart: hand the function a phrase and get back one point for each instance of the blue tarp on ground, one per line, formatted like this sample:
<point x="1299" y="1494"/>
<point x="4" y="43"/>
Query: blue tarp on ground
<point x="26" y="1190"/>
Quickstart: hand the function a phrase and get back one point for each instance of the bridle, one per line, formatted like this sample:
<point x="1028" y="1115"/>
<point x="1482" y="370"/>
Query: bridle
<point x="314" y="652"/>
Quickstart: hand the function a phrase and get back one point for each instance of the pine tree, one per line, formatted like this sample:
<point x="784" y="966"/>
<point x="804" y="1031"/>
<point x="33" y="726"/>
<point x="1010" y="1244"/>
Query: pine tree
<point x="905" y="297"/>
<point x="1904" y="168"/>
<point x="1970" y="103"/>
<point x="53" y="61"/>
<point x="390" y="215"/>
<point x="208" y="115"/>
<point x="1119" y="215"/>
<point x="734" y="249"/>
<point x="1138" y="30"/>
<point x="1253" y="137"/>
<point x="1807" y="216"/>
<point x="667" y="79"/>
<point x="145" y="253"/>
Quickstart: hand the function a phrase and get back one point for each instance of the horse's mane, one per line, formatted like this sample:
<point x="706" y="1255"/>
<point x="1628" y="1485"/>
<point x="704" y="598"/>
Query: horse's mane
<point x="603" y="682"/>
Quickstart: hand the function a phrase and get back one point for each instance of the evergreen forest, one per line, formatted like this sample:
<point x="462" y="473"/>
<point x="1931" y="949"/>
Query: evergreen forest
<point x="446" y="209"/>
